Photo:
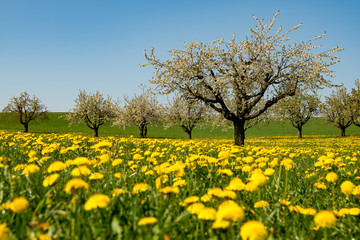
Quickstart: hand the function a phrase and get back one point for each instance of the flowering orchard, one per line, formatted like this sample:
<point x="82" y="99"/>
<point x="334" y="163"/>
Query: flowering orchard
<point x="74" y="187"/>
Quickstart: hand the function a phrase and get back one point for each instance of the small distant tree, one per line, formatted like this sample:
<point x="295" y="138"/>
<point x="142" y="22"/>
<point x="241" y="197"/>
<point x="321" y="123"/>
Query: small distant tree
<point x="141" y="110"/>
<point x="26" y="108"/>
<point x="93" y="110"/>
<point x="355" y="103"/>
<point x="337" y="109"/>
<point x="185" y="112"/>
<point x="298" y="109"/>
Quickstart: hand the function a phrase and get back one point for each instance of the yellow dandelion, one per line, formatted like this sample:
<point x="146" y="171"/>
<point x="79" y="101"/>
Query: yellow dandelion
<point x="117" y="191"/>
<point x="80" y="171"/>
<point x="253" y="230"/>
<point x="259" y="178"/>
<point x="116" y="162"/>
<point x="229" y="210"/>
<point x="81" y="161"/>
<point x="4" y="231"/>
<point x="220" y="224"/>
<point x="207" y="213"/>
<point x="147" y="221"/>
<point x="18" y="204"/>
<point x="195" y="208"/>
<point x="118" y="175"/>
<point x="331" y="177"/>
<point x="139" y="188"/>
<point x="261" y="204"/>
<point x="169" y="190"/>
<point x="226" y="172"/>
<point x="96" y="176"/>
<point x="347" y="187"/>
<point x="50" y="180"/>
<point x="97" y="200"/>
<point x="30" y="169"/>
<point x="325" y="219"/>
<point x="75" y="184"/>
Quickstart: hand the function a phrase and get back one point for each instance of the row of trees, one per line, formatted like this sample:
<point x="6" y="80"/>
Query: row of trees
<point x="341" y="108"/>
<point x="241" y="81"/>
<point x="94" y="110"/>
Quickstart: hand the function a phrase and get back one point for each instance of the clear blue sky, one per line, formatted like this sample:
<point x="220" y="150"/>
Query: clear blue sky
<point x="53" y="49"/>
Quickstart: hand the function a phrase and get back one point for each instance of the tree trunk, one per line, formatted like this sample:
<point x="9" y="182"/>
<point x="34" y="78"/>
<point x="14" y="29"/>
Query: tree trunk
<point x="299" y="128"/>
<point x="342" y="131"/>
<point x="96" y="130"/>
<point x="189" y="134"/>
<point x="239" y="132"/>
<point x="26" y="126"/>
<point x="143" y="131"/>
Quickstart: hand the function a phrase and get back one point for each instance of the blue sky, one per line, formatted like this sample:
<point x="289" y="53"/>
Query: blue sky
<point x="53" y="49"/>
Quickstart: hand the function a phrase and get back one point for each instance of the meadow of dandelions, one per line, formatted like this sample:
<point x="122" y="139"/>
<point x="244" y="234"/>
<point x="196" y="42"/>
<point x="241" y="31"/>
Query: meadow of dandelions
<point x="68" y="186"/>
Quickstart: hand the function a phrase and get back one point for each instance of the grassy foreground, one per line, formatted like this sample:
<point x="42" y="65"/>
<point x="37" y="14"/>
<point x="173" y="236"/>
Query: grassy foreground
<point x="70" y="186"/>
<point x="58" y="124"/>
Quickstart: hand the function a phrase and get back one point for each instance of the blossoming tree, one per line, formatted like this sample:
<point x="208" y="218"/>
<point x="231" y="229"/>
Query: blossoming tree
<point x="92" y="109"/>
<point x="185" y="112"/>
<point x="241" y="80"/>
<point x="141" y="111"/>
<point x="27" y="109"/>
<point x="337" y="109"/>
<point x="298" y="109"/>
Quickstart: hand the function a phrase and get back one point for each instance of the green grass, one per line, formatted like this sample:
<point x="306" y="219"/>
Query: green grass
<point x="58" y="124"/>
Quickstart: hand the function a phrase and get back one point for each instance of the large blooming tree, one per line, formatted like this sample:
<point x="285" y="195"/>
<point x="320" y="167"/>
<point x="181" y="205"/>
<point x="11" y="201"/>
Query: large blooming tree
<point x="242" y="79"/>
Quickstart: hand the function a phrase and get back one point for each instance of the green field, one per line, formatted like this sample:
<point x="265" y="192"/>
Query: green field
<point x="58" y="124"/>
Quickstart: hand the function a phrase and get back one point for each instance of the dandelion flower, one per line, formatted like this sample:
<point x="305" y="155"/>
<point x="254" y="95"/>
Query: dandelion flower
<point x="207" y="213"/>
<point x="227" y="172"/>
<point x="229" y="210"/>
<point x="56" y="166"/>
<point x="259" y="178"/>
<point x="220" y="224"/>
<point x="147" y="221"/>
<point x="331" y="177"/>
<point x="253" y="230"/>
<point x="19" y="204"/>
<point x="347" y="187"/>
<point x="81" y="171"/>
<point x="140" y="187"/>
<point x="169" y="190"/>
<point x="97" y="200"/>
<point x="261" y="204"/>
<point x="325" y="219"/>
<point x="81" y="161"/>
<point x="50" y="180"/>
<point x="117" y="191"/>
<point x="195" y="208"/>
<point x="30" y="169"/>
<point x="4" y="230"/>
<point x="96" y="176"/>
<point x="75" y="184"/>
<point x="236" y="184"/>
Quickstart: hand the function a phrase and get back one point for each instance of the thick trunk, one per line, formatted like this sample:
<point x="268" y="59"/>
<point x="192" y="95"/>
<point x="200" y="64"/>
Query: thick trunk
<point x="96" y="131"/>
<point x="26" y="126"/>
<point x="239" y="132"/>
<point x="143" y="131"/>
<point x="189" y="135"/>
<point x="299" y="128"/>
<point x="342" y="131"/>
